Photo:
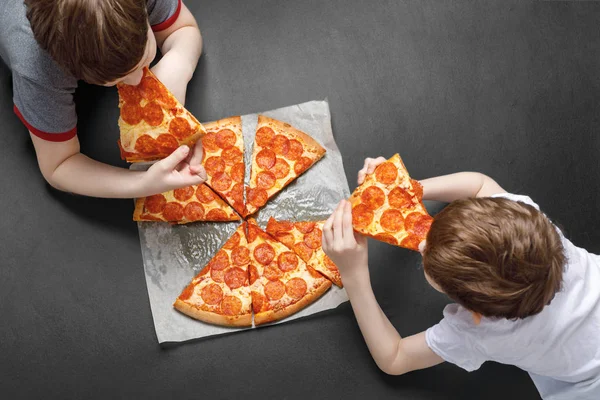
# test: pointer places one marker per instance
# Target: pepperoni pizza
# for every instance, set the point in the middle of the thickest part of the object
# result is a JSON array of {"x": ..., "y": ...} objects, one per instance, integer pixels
[
  {"x": 281, "y": 153},
  {"x": 388, "y": 206},
  {"x": 220, "y": 294},
  {"x": 305, "y": 239},
  {"x": 188, "y": 204},
  {"x": 152, "y": 122}
]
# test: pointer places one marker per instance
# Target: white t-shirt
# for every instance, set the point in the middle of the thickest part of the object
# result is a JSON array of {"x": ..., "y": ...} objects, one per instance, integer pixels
[{"x": 559, "y": 347}]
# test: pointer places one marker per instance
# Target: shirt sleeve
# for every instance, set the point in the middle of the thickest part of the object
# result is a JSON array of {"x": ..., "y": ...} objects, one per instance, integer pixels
[
  {"x": 163, "y": 13},
  {"x": 517, "y": 197},
  {"x": 453, "y": 340}
]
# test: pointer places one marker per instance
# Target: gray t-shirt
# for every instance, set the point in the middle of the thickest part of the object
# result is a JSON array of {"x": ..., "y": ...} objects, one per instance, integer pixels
[{"x": 43, "y": 91}]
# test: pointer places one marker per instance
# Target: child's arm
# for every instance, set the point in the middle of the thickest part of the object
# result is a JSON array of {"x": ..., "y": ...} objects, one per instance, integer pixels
[
  {"x": 446, "y": 188},
  {"x": 393, "y": 354}
]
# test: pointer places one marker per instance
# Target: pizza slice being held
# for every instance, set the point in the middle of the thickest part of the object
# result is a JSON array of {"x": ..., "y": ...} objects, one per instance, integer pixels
[
  {"x": 305, "y": 239},
  {"x": 224, "y": 160},
  {"x": 388, "y": 206},
  {"x": 152, "y": 122},
  {"x": 281, "y": 153},
  {"x": 188, "y": 204},
  {"x": 281, "y": 283},
  {"x": 220, "y": 294}
]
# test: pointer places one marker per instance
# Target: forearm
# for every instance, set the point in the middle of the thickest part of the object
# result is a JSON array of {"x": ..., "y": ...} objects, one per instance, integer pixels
[
  {"x": 448, "y": 188},
  {"x": 185, "y": 46}
]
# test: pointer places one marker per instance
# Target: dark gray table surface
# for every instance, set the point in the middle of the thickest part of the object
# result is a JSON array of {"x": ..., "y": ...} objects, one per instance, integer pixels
[{"x": 508, "y": 88}]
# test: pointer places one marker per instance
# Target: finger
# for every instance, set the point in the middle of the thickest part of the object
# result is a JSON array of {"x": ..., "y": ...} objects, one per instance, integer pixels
[
  {"x": 374, "y": 164},
  {"x": 347, "y": 224},
  {"x": 199, "y": 170},
  {"x": 328, "y": 232},
  {"x": 175, "y": 158},
  {"x": 422, "y": 246},
  {"x": 361, "y": 240},
  {"x": 363, "y": 172},
  {"x": 338, "y": 233},
  {"x": 197, "y": 154}
]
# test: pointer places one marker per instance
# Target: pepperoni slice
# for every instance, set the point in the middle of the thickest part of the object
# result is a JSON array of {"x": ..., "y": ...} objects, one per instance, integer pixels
[
  {"x": 221, "y": 182},
  {"x": 257, "y": 197},
  {"x": 209, "y": 142},
  {"x": 253, "y": 232},
  {"x": 266, "y": 158},
  {"x": 131, "y": 113},
  {"x": 386, "y": 237},
  {"x": 373, "y": 197},
  {"x": 220, "y": 261},
  {"x": 296, "y": 288},
  {"x": 145, "y": 144},
  {"x": 155, "y": 204},
  {"x": 231, "y": 305},
  {"x": 361, "y": 216},
  {"x": 302, "y": 165},
  {"x": 272, "y": 273},
  {"x": 421, "y": 226},
  {"x": 411, "y": 242},
  {"x": 281, "y": 145},
  {"x": 212, "y": 294},
  {"x": 194, "y": 211},
  {"x": 281, "y": 169},
  {"x": 235, "y": 277},
  {"x": 217, "y": 214},
  {"x": 296, "y": 150},
  {"x": 180, "y": 128},
  {"x": 226, "y": 138},
  {"x": 129, "y": 94},
  {"x": 237, "y": 174},
  {"x": 399, "y": 198},
  {"x": 386, "y": 173},
  {"x": 274, "y": 226},
  {"x": 418, "y": 189},
  {"x": 232, "y": 156},
  {"x": 253, "y": 273},
  {"x": 257, "y": 301},
  {"x": 329, "y": 263},
  {"x": 153, "y": 114},
  {"x": 233, "y": 241},
  {"x": 264, "y": 136},
  {"x": 286, "y": 238},
  {"x": 187, "y": 292},
  {"x": 305, "y": 227},
  {"x": 183, "y": 194},
  {"x": 217, "y": 275},
  {"x": 173, "y": 211},
  {"x": 167, "y": 143},
  {"x": 240, "y": 255},
  {"x": 313, "y": 238},
  {"x": 303, "y": 251},
  {"x": 237, "y": 193},
  {"x": 150, "y": 88},
  {"x": 204, "y": 194},
  {"x": 265, "y": 180},
  {"x": 214, "y": 165},
  {"x": 411, "y": 219},
  {"x": 287, "y": 261},
  {"x": 274, "y": 290},
  {"x": 264, "y": 253},
  {"x": 392, "y": 220}
]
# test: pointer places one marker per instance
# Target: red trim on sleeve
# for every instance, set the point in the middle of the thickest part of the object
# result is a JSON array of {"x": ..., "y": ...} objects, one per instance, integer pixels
[
  {"x": 51, "y": 137},
  {"x": 169, "y": 21}
]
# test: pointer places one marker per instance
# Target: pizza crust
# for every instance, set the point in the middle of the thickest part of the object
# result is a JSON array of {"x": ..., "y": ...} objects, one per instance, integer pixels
[{"x": 213, "y": 318}]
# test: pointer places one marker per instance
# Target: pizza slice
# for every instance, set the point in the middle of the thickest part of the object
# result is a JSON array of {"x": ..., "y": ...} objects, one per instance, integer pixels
[
  {"x": 152, "y": 122},
  {"x": 388, "y": 206},
  {"x": 304, "y": 238},
  {"x": 220, "y": 294},
  {"x": 188, "y": 204},
  {"x": 281, "y": 283},
  {"x": 281, "y": 153},
  {"x": 224, "y": 160}
]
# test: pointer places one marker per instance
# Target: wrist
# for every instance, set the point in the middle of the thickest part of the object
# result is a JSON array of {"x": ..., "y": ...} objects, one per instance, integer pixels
[{"x": 356, "y": 278}]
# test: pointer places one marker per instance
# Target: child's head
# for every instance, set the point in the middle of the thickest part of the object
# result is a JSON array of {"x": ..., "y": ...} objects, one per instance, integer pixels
[
  {"x": 495, "y": 257},
  {"x": 99, "y": 41}
]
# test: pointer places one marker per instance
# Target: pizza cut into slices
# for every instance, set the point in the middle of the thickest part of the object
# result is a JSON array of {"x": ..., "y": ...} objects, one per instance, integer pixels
[
  {"x": 152, "y": 122},
  {"x": 281, "y": 283},
  {"x": 388, "y": 206},
  {"x": 188, "y": 204},
  {"x": 304, "y": 238},
  {"x": 281, "y": 153},
  {"x": 223, "y": 160},
  {"x": 220, "y": 293}
]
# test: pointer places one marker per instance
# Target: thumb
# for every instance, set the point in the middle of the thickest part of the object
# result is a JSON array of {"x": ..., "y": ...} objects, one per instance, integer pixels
[{"x": 175, "y": 158}]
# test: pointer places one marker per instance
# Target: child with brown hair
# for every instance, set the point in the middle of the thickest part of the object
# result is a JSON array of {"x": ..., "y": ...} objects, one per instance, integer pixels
[
  {"x": 525, "y": 295},
  {"x": 51, "y": 44}
]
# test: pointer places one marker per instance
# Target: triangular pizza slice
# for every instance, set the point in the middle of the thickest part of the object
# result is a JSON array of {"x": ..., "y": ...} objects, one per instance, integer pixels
[
  {"x": 152, "y": 122},
  {"x": 188, "y": 204},
  {"x": 388, "y": 206},
  {"x": 220, "y": 293},
  {"x": 305, "y": 239},
  {"x": 281, "y": 153},
  {"x": 281, "y": 283}
]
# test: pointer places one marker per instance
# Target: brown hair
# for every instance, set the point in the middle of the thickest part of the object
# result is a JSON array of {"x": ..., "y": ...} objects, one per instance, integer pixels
[
  {"x": 98, "y": 41},
  {"x": 494, "y": 256}
]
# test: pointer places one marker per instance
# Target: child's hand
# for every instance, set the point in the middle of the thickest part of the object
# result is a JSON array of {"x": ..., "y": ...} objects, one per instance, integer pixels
[
  {"x": 369, "y": 168},
  {"x": 175, "y": 172},
  {"x": 347, "y": 249}
]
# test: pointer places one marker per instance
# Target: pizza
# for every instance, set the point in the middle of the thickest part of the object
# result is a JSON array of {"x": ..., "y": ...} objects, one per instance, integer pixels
[
  {"x": 188, "y": 204},
  {"x": 280, "y": 282},
  {"x": 281, "y": 153},
  {"x": 220, "y": 293},
  {"x": 388, "y": 206},
  {"x": 152, "y": 122},
  {"x": 304, "y": 238},
  {"x": 223, "y": 160}
]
